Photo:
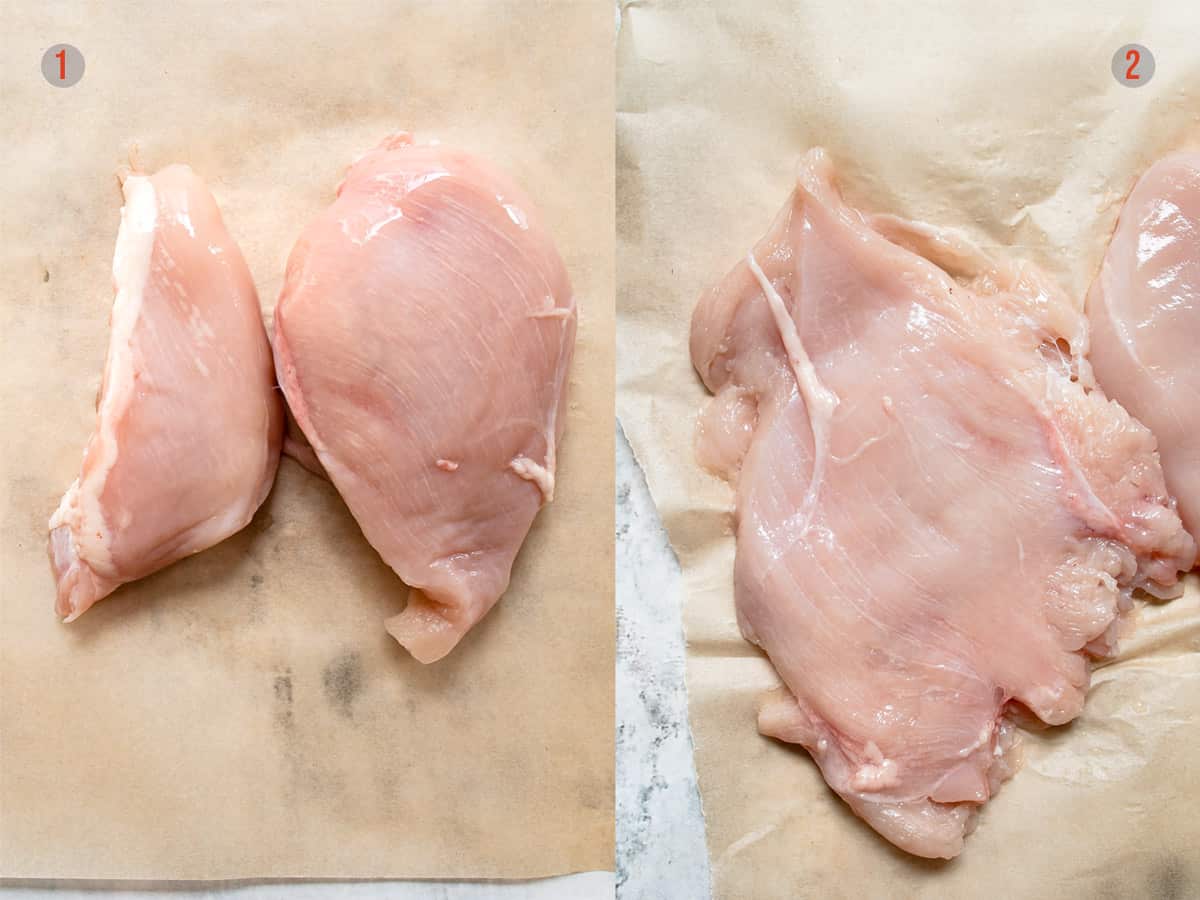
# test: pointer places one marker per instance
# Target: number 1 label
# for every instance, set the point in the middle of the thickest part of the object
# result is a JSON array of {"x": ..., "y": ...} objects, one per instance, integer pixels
[{"x": 62, "y": 65}]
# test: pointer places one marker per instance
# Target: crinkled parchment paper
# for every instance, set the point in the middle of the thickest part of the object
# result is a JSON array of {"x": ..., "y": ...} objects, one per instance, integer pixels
[
  {"x": 1004, "y": 120},
  {"x": 243, "y": 713}
]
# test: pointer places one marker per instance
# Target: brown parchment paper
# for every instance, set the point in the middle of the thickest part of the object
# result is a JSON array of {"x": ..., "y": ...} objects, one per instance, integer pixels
[
  {"x": 243, "y": 713},
  {"x": 1004, "y": 120}
]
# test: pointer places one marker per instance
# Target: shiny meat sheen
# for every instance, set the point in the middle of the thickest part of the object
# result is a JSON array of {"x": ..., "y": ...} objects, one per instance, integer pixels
[
  {"x": 1144, "y": 308},
  {"x": 937, "y": 514},
  {"x": 423, "y": 338},
  {"x": 188, "y": 419}
]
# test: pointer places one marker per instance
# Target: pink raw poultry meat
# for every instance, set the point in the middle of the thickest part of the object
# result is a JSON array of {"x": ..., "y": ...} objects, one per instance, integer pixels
[
  {"x": 423, "y": 338},
  {"x": 937, "y": 513},
  {"x": 1145, "y": 312},
  {"x": 189, "y": 422}
]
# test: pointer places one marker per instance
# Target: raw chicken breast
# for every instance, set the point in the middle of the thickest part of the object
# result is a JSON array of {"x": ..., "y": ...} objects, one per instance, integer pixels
[
  {"x": 188, "y": 419},
  {"x": 1144, "y": 308},
  {"x": 937, "y": 513},
  {"x": 423, "y": 338}
]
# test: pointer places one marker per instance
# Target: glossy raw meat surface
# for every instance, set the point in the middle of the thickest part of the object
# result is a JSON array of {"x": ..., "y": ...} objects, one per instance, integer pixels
[
  {"x": 1144, "y": 309},
  {"x": 936, "y": 514},
  {"x": 423, "y": 338},
  {"x": 188, "y": 418}
]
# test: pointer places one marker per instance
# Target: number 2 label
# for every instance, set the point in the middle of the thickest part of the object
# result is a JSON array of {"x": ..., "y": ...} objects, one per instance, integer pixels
[
  {"x": 1133, "y": 65},
  {"x": 1131, "y": 73}
]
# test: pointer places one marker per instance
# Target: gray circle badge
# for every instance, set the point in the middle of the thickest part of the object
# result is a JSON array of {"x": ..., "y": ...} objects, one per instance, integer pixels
[
  {"x": 62, "y": 65},
  {"x": 1133, "y": 65}
]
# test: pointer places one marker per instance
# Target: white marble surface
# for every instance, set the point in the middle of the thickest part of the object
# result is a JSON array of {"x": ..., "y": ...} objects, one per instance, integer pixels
[{"x": 661, "y": 851}]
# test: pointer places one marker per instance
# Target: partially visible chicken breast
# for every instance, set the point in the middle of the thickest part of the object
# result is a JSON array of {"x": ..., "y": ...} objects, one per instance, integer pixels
[{"x": 1144, "y": 308}]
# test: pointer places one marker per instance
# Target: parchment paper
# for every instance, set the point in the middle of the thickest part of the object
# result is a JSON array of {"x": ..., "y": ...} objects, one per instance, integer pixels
[
  {"x": 243, "y": 713},
  {"x": 1005, "y": 120}
]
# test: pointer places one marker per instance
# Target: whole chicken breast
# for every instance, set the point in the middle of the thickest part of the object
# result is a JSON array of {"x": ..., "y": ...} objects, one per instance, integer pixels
[{"x": 423, "y": 338}]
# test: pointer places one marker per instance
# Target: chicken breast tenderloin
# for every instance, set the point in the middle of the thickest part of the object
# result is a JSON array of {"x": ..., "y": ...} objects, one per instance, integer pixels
[
  {"x": 188, "y": 419},
  {"x": 1144, "y": 308},
  {"x": 938, "y": 514},
  {"x": 423, "y": 338}
]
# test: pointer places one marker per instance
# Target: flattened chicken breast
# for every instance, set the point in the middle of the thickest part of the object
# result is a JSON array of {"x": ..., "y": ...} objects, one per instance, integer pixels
[{"x": 938, "y": 514}]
